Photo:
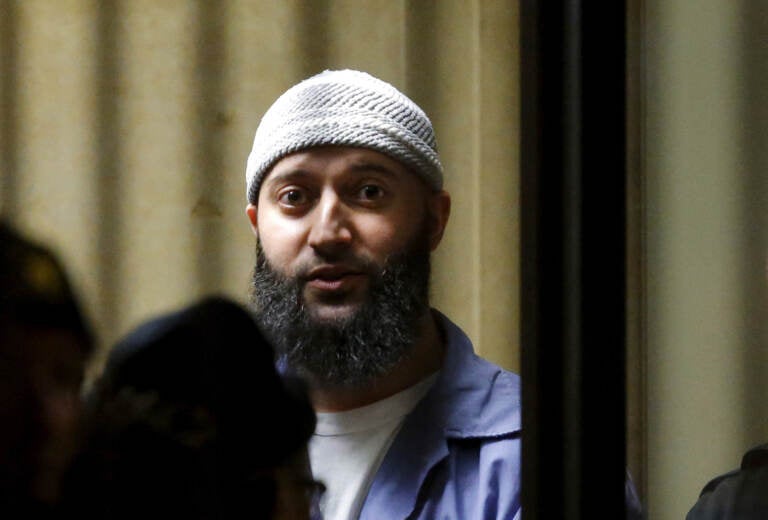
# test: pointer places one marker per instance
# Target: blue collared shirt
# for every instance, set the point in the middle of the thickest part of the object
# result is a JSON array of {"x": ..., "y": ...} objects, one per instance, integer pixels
[{"x": 457, "y": 455}]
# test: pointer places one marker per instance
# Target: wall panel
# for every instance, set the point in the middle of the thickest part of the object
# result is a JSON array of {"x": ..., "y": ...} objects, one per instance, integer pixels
[{"x": 706, "y": 218}]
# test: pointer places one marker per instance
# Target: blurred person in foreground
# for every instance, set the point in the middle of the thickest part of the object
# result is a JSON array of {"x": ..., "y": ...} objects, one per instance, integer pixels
[
  {"x": 741, "y": 494},
  {"x": 44, "y": 346},
  {"x": 190, "y": 419}
]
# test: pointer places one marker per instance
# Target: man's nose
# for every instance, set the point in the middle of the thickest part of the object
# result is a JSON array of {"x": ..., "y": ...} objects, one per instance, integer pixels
[{"x": 331, "y": 229}]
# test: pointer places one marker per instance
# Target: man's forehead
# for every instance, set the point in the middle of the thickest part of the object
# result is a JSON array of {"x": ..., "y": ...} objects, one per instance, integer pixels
[{"x": 317, "y": 160}]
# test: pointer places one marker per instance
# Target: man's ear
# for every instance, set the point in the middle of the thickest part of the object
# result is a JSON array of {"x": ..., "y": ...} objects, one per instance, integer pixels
[
  {"x": 252, "y": 212},
  {"x": 439, "y": 208}
]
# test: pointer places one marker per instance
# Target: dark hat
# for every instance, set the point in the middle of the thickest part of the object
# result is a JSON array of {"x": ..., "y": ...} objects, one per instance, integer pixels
[{"x": 212, "y": 355}]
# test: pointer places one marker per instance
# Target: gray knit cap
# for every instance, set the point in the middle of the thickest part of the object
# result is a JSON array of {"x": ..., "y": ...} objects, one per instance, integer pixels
[{"x": 344, "y": 108}]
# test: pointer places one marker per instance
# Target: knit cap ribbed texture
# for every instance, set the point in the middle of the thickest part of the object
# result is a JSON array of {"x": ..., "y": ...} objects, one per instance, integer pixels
[{"x": 344, "y": 108}]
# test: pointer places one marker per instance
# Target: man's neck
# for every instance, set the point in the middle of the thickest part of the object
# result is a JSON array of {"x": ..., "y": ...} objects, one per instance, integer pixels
[{"x": 426, "y": 357}]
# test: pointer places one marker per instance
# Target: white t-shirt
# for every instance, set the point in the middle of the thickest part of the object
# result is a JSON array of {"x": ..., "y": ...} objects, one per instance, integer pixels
[{"x": 348, "y": 447}]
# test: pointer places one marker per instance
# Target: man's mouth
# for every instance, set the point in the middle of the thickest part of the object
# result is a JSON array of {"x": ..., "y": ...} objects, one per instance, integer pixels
[{"x": 334, "y": 278}]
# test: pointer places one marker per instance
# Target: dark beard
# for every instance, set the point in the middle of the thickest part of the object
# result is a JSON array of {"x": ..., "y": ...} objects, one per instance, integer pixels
[{"x": 347, "y": 352}]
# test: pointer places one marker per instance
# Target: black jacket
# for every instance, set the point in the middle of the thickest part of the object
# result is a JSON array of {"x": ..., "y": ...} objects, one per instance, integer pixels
[{"x": 740, "y": 494}]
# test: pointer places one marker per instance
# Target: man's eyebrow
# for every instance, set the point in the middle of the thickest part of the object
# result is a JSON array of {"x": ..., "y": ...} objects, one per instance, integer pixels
[
  {"x": 286, "y": 175},
  {"x": 363, "y": 167},
  {"x": 293, "y": 174}
]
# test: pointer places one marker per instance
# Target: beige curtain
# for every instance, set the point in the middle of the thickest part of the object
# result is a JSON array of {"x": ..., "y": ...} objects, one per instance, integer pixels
[{"x": 125, "y": 125}]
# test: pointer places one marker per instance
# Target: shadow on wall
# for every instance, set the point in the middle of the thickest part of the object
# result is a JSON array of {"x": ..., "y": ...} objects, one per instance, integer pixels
[
  {"x": 8, "y": 115},
  {"x": 211, "y": 118},
  {"x": 754, "y": 117},
  {"x": 108, "y": 159}
]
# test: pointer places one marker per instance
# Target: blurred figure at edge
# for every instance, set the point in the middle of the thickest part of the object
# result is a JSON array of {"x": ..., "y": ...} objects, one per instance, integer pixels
[
  {"x": 191, "y": 419},
  {"x": 44, "y": 345}
]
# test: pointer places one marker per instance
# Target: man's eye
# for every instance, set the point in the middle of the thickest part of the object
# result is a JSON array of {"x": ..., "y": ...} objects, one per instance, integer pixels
[
  {"x": 371, "y": 192},
  {"x": 293, "y": 197}
]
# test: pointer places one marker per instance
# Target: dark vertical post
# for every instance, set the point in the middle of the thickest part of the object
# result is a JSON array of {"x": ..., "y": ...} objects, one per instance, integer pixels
[{"x": 573, "y": 258}]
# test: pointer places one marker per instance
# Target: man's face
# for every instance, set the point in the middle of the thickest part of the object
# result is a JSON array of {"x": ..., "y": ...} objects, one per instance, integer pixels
[
  {"x": 343, "y": 261},
  {"x": 40, "y": 375},
  {"x": 331, "y": 217}
]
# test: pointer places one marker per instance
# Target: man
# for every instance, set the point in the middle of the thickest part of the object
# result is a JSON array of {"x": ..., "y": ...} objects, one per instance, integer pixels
[
  {"x": 740, "y": 494},
  {"x": 346, "y": 199},
  {"x": 44, "y": 345}
]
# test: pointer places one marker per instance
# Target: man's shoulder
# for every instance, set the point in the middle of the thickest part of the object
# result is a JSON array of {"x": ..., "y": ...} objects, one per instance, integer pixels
[
  {"x": 458, "y": 451},
  {"x": 462, "y": 359},
  {"x": 741, "y": 493},
  {"x": 502, "y": 383},
  {"x": 479, "y": 398}
]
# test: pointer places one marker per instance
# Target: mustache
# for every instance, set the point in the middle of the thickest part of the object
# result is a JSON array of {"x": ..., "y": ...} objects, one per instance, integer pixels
[{"x": 348, "y": 261}]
